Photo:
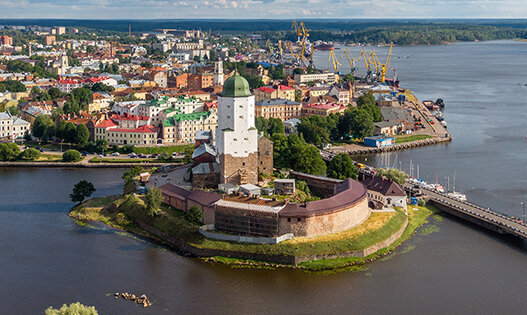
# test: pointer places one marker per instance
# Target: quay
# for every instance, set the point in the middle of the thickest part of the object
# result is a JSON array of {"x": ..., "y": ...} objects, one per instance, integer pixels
[{"x": 475, "y": 214}]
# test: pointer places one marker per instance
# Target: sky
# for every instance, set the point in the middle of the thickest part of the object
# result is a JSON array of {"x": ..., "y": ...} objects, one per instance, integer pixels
[{"x": 258, "y": 9}]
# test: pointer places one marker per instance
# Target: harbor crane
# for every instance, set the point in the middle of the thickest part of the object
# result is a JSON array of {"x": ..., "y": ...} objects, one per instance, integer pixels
[
  {"x": 350, "y": 58},
  {"x": 333, "y": 59},
  {"x": 386, "y": 64}
]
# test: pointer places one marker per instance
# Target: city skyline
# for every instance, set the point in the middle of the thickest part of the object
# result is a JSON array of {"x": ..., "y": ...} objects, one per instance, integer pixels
[{"x": 257, "y": 9}]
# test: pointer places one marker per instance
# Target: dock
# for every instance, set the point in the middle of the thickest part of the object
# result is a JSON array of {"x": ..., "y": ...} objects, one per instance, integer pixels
[{"x": 483, "y": 217}]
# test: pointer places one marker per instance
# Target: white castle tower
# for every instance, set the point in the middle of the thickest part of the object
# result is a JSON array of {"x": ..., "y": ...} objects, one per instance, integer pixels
[
  {"x": 218, "y": 73},
  {"x": 236, "y": 134}
]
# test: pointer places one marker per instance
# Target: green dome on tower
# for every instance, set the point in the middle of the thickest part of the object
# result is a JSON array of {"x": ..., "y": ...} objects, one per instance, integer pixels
[{"x": 236, "y": 86}]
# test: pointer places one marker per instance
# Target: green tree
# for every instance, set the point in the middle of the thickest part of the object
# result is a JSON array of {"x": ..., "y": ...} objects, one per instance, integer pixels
[
  {"x": 55, "y": 93},
  {"x": 82, "y": 96},
  {"x": 356, "y": 123},
  {"x": 40, "y": 126},
  {"x": 128, "y": 176},
  {"x": 188, "y": 155},
  {"x": 261, "y": 123},
  {"x": 341, "y": 167},
  {"x": 100, "y": 145},
  {"x": 73, "y": 308},
  {"x": 71, "y": 156},
  {"x": 306, "y": 158},
  {"x": 70, "y": 132},
  {"x": 281, "y": 152},
  {"x": 82, "y": 135},
  {"x": 9, "y": 151},
  {"x": 30, "y": 154},
  {"x": 101, "y": 87},
  {"x": 12, "y": 86},
  {"x": 146, "y": 64},
  {"x": 298, "y": 96},
  {"x": 195, "y": 215},
  {"x": 81, "y": 191},
  {"x": 275, "y": 126},
  {"x": 153, "y": 199},
  {"x": 394, "y": 174},
  {"x": 90, "y": 49}
]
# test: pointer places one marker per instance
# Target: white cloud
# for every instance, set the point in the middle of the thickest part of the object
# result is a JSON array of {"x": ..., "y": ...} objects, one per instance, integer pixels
[{"x": 243, "y": 9}]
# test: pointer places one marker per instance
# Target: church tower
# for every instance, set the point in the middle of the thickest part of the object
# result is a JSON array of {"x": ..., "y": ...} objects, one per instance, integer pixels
[
  {"x": 218, "y": 73},
  {"x": 236, "y": 134}
]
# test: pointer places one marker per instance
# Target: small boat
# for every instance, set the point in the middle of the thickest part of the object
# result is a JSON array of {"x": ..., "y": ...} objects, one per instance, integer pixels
[
  {"x": 325, "y": 47},
  {"x": 444, "y": 123},
  {"x": 457, "y": 195}
]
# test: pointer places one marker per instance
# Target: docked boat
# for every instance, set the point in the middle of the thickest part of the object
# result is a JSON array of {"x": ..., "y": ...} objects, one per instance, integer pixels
[
  {"x": 325, "y": 47},
  {"x": 457, "y": 195}
]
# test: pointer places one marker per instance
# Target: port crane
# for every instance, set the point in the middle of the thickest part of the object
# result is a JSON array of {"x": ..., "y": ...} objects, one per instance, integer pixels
[
  {"x": 270, "y": 46},
  {"x": 350, "y": 58},
  {"x": 333, "y": 59},
  {"x": 386, "y": 64}
]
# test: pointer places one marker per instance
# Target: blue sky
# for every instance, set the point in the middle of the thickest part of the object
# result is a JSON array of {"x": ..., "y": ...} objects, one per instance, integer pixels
[{"x": 246, "y": 9}]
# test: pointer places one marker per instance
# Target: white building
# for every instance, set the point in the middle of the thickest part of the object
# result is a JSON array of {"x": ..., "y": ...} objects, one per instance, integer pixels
[
  {"x": 236, "y": 134},
  {"x": 218, "y": 73},
  {"x": 12, "y": 127}
]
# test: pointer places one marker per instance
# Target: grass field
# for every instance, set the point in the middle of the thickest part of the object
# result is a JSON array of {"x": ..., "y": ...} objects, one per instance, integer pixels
[
  {"x": 163, "y": 149},
  {"x": 404, "y": 139},
  {"x": 108, "y": 160},
  {"x": 377, "y": 228}
]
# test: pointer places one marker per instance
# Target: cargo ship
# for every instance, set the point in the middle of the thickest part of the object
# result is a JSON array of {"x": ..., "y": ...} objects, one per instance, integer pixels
[{"x": 325, "y": 47}]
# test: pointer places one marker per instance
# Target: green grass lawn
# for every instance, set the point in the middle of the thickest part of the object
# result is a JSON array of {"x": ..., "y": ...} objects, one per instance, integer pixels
[
  {"x": 137, "y": 160},
  {"x": 403, "y": 139},
  {"x": 379, "y": 227},
  {"x": 163, "y": 149}
]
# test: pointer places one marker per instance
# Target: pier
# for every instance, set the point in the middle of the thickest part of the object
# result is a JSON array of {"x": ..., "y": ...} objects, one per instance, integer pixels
[{"x": 483, "y": 217}]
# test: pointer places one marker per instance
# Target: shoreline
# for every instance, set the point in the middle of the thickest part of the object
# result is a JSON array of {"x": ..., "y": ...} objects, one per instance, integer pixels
[
  {"x": 190, "y": 243},
  {"x": 83, "y": 165}
]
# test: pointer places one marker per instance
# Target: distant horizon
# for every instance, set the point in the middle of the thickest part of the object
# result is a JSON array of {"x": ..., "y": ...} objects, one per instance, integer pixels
[{"x": 258, "y": 9}]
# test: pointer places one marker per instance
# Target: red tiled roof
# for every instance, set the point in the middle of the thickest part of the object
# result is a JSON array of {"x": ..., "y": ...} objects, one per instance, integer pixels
[
  {"x": 322, "y": 105},
  {"x": 107, "y": 123},
  {"x": 266, "y": 89},
  {"x": 129, "y": 117},
  {"x": 284, "y": 87},
  {"x": 142, "y": 129},
  {"x": 68, "y": 82}
]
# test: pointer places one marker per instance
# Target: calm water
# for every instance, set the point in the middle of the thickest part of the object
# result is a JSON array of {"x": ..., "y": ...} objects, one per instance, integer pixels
[{"x": 46, "y": 259}]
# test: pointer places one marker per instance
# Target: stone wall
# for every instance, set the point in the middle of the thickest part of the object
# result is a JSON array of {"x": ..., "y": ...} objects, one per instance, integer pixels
[
  {"x": 239, "y": 170},
  {"x": 265, "y": 156},
  {"x": 320, "y": 186},
  {"x": 209, "y": 180},
  {"x": 336, "y": 221}
]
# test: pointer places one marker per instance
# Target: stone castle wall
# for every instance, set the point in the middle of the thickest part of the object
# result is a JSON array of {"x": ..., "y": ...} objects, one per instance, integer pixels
[
  {"x": 336, "y": 221},
  {"x": 265, "y": 156},
  {"x": 239, "y": 170}
]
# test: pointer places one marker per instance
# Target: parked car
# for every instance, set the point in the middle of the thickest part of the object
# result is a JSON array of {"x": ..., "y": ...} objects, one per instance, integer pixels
[{"x": 115, "y": 154}]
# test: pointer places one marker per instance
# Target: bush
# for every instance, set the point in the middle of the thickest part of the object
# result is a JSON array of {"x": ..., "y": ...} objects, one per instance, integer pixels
[
  {"x": 73, "y": 308},
  {"x": 421, "y": 203},
  {"x": 30, "y": 154},
  {"x": 195, "y": 215},
  {"x": 9, "y": 151},
  {"x": 71, "y": 156},
  {"x": 153, "y": 200}
]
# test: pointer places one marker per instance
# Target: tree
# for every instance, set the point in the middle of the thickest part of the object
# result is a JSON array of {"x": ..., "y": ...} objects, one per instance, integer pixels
[
  {"x": 54, "y": 93},
  {"x": 367, "y": 102},
  {"x": 261, "y": 123},
  {"x": 73, "y": 308},
  {"x": 275, "y": 126},
  {"x": 82, "y": 95},
  {"x": 90, "y": 49},
  {"x": 188, "y": 155},
  {"x": 195, "y": 215},
  {"x": 70, "y": 132},
  {"x": 298, "y": 96},
  {"x": 81, "y": 191},
  {"x": 83, "y": 134},
  {"x": 12, "y": 86},
  {"x": 71, "y": 156},
  {"x": 281, "y": 153},
  {"x": 128, "y": 176},
  {"x": 361, "y": 123},
  {"x": 146, "y": 64},
  {"x": 40, "y": 125},
  {"x": 9, "y": 151},
  {"x": 101, "y": 87},
  {"x": 153, "y": 200},
  {"x": 306, "y": 159},
  {"x": 30, "y": 154},
  {"x": 341, "y": 167},
  {"x": 100, "y": 145},
  {"x": 394, "y": 174}
]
